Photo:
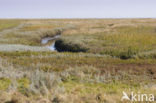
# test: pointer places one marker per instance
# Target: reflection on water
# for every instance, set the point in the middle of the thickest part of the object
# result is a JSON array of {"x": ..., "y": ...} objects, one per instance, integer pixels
[
  {"x": 52, "y": 47},
  {"x": 47, "y": 39}
]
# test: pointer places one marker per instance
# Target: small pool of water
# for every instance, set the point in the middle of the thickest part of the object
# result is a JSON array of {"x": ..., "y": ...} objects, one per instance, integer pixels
[
  {"x": 47, "y": 39},
  {"x": 52, "y": 47}
]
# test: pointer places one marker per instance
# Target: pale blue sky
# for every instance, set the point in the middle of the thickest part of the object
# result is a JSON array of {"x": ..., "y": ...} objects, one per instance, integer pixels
[{"x": 77, "y": 8}]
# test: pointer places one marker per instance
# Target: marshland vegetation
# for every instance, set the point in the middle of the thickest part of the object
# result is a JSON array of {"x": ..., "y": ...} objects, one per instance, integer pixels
[{"x": 96, "y": 60}]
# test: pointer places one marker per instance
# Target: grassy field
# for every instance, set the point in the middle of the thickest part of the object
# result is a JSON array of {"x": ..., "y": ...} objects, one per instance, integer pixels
[
  {"x": 98, "y": 59},
  {"x": 6, "y": 24}
]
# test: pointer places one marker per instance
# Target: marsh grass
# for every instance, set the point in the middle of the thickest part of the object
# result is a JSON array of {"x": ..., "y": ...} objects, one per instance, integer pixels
[
  {"x": 124, "y": 43},
  {"x": 120, "y": 57},
  {"x": 117, "y": 38},
  {"x": 82, "y": 82},
  {"x": 31, "y": 38},
  {"x": 6, "y": 24}
]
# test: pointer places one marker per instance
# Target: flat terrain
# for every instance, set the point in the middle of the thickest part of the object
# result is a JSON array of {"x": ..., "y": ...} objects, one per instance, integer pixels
[{"x": 96, "y": 60}]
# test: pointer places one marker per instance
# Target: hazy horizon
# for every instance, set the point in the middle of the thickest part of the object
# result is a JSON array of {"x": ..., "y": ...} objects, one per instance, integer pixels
[{"x": 61, "y": 9}]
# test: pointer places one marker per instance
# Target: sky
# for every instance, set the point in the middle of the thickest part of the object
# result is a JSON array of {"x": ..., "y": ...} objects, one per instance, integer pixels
[{"x": 77, "y": 8}]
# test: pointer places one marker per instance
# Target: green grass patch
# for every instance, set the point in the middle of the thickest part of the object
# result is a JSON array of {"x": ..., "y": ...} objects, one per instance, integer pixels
[
  {"x": 95, "y": 88},
  {"x": 23, "y": 85},
  {"x": 4, "y": 83}
]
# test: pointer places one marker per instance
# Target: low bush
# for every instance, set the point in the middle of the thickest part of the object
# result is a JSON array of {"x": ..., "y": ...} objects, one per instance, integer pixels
[{"x": 62, "y": 46}]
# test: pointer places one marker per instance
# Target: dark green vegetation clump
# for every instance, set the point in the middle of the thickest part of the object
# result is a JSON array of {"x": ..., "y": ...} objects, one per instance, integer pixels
[{"x": 63, "y": 46}]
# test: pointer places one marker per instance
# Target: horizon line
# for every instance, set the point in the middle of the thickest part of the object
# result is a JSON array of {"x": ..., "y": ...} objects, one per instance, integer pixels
[{"x": 86, "y": 18}]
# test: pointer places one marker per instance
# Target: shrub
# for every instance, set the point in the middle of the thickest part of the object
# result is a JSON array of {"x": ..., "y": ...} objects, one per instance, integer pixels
[{"x": 62, "y": 46}]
